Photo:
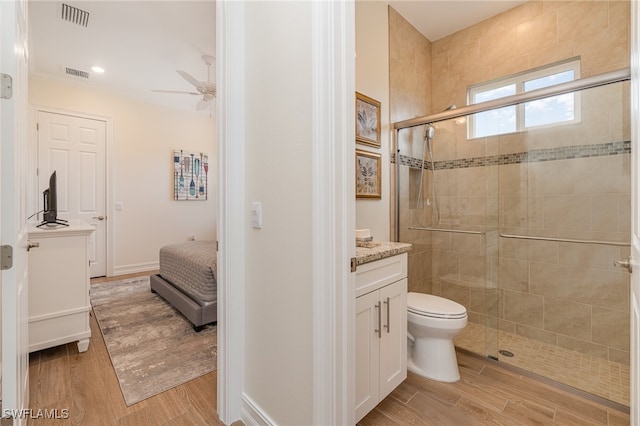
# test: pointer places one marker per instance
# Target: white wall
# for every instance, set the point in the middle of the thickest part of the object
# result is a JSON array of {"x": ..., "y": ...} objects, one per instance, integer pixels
[
  {"x": 372, "y": 79},
  {"x": 278, "y": 305},
  {"x": 142, "y": 169}
]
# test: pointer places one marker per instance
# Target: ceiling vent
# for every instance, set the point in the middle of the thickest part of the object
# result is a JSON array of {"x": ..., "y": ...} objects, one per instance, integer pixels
[
  {"x": 75, "y": 15},
  {"x": 76, "y": 73}
]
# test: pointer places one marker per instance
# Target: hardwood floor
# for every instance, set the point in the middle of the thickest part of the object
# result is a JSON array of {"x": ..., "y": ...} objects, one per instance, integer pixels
[
  {"x": 487, "y": 394},
  {"x": 86, "y": 385}
]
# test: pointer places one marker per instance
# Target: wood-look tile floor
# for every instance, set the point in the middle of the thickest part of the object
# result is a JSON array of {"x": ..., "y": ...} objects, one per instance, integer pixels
[
  {"x": 487, "y": 394},
  {"x": 86, "y": 385}
]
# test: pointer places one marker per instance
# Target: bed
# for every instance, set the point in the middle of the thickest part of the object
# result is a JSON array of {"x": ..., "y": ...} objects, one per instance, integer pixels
[{"x": 187, "y": 280}]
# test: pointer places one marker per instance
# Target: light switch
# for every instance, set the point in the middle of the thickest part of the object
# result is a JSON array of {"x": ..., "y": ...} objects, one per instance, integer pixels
[
  {"x": 256, "y": 215},
  {"x": 119, "y": 206}
]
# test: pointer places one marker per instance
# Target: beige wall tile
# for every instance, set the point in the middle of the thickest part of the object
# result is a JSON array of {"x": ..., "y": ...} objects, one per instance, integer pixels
[
  {"x": 473, "y": 269},
  {"x": 583, "y": 18},
  {"x": 544, "y": 251},
  {"x": 567, "y": 212},
  {"x": 598, "y": 287},
  {"x": 536, "y": 334},
  {"x": 497, "y": 47},
  {"x": 514, "y": 248},
  {"x": 537, "y": 33},
  {"x": 586, "y": 255},
  {"x": 456, "y": 291},
  {"x": 446, "y": 264},
  {"x": 483, "y": 301},
  {"x": 515, "y": 211},
  {"x": 604, "y": 213},
  {"x": 621, "y": 357},
  {"x": 523, "y": 308},
  {"x": 567, "y": 318},
  {"x": 611, "y": 328},
  {"x": 514, "y": 275},
  {"x": 508, "y": 326},
  {"x": 582, "y": 346}
]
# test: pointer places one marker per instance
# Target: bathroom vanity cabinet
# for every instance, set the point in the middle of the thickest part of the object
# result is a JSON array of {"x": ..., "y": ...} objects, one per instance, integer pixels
[{"x": 381, "y": 330}]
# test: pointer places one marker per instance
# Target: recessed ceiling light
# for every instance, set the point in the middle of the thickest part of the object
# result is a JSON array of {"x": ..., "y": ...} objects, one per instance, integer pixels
[{"x": 97, "y": 69}]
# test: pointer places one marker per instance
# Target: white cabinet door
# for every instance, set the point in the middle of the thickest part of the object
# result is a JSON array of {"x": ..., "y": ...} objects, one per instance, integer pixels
[
  {"x": 367, "y": 353},
  {"x": 393, "y": 344}
]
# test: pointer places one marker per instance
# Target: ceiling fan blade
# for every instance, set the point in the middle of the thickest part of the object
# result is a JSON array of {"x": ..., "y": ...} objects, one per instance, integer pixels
[
  {"x": 202, "y": 105},
  {"x": 198, "y": 85},
  {"x": 176, "y": 91}
]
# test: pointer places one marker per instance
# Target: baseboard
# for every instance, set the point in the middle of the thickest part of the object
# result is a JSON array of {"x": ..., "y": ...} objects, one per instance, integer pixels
[
  {"x": 252, "y": 415},
  {"x": 135, "y": 268}
]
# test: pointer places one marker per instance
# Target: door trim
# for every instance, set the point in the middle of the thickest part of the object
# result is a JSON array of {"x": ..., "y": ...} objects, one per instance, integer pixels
[
  {"x": 109, "y": 153},
  {"x": 230, "y": 227}
]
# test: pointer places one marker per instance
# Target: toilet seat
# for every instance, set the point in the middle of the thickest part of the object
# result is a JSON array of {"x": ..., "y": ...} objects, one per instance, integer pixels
[{"x": 429, "y": 305}]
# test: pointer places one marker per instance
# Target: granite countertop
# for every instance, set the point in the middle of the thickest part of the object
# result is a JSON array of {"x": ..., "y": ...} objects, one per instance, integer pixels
[{"x": 382, "y": 249}]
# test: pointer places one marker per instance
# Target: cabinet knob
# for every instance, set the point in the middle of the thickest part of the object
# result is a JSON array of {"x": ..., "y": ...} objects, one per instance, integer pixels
[{"x": 31, "y": 245}]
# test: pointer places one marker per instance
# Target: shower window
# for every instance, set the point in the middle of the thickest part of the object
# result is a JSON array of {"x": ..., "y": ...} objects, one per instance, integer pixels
[{"x": 561, "y": 109}]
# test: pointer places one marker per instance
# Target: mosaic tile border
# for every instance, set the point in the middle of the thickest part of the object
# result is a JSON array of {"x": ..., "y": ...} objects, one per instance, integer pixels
[{"x": 533, "y": 156}]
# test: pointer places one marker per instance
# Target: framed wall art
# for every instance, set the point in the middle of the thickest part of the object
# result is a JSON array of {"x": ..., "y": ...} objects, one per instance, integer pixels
[
  {"x": 191, "y": 175},
  {"x": 368, "y": 176},
  {"x": 367, "y": 120}
]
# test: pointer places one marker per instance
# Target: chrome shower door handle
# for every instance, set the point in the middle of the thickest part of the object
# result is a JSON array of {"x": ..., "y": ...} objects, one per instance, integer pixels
[{"x": 624, "y": 264}]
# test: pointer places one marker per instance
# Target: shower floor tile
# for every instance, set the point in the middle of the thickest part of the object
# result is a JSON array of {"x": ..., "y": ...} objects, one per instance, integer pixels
[{"x": 596, "y": 376}]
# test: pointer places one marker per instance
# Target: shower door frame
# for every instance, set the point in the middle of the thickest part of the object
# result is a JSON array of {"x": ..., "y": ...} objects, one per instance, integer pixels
[{"x": 618, "y": 76}]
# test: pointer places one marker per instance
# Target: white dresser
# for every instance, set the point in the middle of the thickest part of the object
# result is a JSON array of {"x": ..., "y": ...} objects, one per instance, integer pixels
[
  {"x": 59, "y": 303},
  {"x": 381, "y": 328}
]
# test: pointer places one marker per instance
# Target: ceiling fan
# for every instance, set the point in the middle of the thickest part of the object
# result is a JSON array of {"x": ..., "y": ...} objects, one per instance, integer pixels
[{"x": 206, "y": 89}]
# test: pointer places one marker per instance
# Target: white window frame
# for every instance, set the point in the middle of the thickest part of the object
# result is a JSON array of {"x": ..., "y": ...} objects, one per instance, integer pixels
[{"x": 519, "y": 80}]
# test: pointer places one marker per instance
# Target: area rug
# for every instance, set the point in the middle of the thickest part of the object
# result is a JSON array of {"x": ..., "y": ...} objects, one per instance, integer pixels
[{"x": 152, "y": 347}]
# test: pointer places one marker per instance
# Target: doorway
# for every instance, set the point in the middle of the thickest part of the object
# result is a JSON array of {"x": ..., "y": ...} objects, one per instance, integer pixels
[{"x": 75, "y": 147}]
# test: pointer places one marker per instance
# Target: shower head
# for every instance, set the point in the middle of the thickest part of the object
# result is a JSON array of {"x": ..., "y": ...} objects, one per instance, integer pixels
[{"x": 429, "y": 132}]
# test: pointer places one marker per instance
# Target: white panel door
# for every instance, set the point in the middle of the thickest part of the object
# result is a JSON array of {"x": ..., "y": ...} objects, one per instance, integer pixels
[
  {"x": 75, "y": 148},
  {"x": 13, "y": 210}
]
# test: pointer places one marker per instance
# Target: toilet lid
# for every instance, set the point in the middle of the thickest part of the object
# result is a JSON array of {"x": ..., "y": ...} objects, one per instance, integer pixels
[{"x": 434, "y": 306}]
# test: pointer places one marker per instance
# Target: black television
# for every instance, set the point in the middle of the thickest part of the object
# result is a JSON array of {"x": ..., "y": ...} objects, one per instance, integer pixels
[{"x": 50, "y": 204}]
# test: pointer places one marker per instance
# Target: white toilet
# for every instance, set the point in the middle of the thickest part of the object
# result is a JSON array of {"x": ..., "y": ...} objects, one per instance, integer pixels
[{"x": 433, "y": 322}]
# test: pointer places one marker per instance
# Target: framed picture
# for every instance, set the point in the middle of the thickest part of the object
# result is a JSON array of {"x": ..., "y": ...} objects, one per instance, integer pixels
[
  {"x": 368, "y": 177},
  {"x": 190, "y": 175},
  {"x": 367, "y": 120}
]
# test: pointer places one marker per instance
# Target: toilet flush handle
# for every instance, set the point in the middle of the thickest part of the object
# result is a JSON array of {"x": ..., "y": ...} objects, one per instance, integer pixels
[{"x": 387, "y": 326}]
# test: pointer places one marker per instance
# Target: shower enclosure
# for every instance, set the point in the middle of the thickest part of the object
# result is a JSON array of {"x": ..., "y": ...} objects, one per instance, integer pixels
[{"x": 523, "y": 229}]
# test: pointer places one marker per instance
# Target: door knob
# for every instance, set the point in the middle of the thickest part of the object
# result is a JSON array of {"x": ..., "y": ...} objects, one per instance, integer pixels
[
  {"x": 31, "y": 245},
  {"x": 99, "y": 217},
  {"x": 624, "y": 264}
]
